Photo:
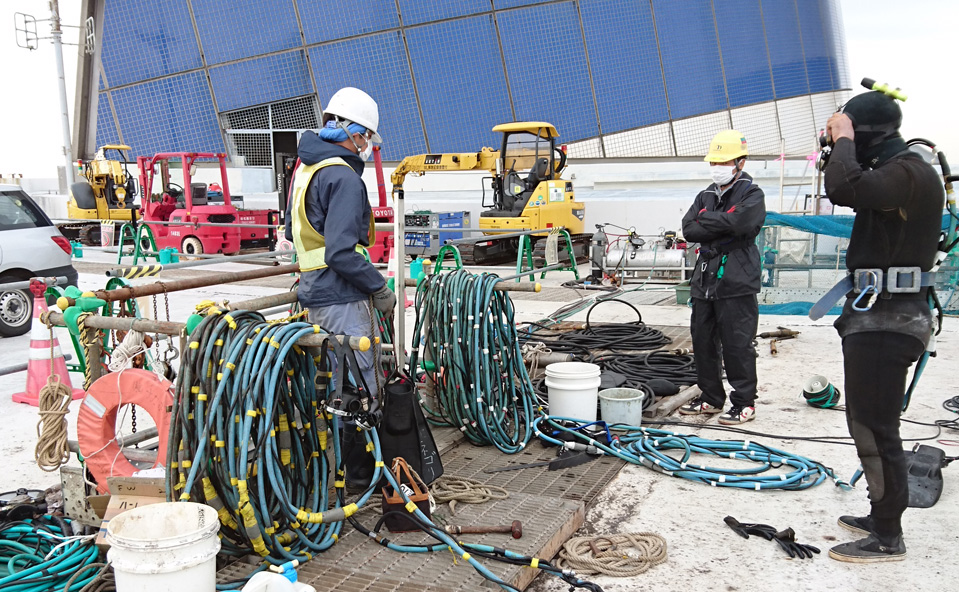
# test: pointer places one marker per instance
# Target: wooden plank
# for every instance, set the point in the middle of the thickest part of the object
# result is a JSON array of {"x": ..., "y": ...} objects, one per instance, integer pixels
[
  {"x": 575, "y": 521},
  {"x": 667, "y": 405}
]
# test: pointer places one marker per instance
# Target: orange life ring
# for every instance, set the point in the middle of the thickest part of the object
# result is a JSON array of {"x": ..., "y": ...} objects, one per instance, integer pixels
[{"x": 96, "y": 422}]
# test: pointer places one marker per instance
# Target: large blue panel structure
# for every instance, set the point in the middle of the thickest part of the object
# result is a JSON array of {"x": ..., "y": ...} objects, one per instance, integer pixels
[
  {"x": 244, "y": 28},
  {"x": 378, "y": 65},
  {"x": 325, "y": 20},
  {"x": 785, "y": 49},
  {"x": 741, "y": 39},
  {"x": 450, "y": 80},
  {"x": 168, "y": 115},
  {"x": 262, "y": 80},
  {"x": 624, "y": 60},
  {"x": 814, "y": 46},
  {"x": 417, "y": 12},
  {"x": 144, "y": 39},
  {"x": 690, "y": 53},
  {"x": 444, "y": 73},
  {"x": 546, "y": 65}
]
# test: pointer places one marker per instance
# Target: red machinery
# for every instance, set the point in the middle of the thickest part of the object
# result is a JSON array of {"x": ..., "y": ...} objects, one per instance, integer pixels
[{"x": 193, "y": 207}]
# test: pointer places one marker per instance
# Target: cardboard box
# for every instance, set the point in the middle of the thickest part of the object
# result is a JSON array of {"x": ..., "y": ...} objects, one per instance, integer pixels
[{"x": 127, "y": 493}]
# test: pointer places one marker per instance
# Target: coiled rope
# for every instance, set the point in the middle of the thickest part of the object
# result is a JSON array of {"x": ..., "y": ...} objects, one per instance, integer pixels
[
  {"x": 619, "y": 555},
  {"x": 53, "y": 406},
  {"x": 649, "y": 447},
  {"x": 464, "y": 490},
  {"x": 482, "y": 387}
]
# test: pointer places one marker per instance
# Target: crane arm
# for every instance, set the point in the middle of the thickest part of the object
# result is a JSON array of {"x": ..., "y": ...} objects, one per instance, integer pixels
[{"x": 485, "y": 159}]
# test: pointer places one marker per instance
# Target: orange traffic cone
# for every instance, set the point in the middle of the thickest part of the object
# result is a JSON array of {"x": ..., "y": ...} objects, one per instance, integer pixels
[
  {"x": 391, "y": 273},
  {"x": 41, "y": 366}
]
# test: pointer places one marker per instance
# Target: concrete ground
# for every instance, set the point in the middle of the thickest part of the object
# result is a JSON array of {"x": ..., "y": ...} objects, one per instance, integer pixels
[{"x": 703, "y": 553}]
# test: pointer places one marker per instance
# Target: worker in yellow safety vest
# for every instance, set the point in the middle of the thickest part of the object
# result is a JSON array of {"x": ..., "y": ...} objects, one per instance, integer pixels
[{"x": 330, "y": 222}]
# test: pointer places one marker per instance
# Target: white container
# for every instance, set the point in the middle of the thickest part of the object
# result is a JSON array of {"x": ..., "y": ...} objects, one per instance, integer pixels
[
  {"x": 622, "y": 405},
  {"x": 573, "y": 390},
  {"x": 266, "y": 581},
  {"x": 168, "y": 547}
]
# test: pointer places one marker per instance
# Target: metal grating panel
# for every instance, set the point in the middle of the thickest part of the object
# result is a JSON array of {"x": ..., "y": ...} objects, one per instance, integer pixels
[
  {"x": 297, "y": 114},
  {"x": 653, "y": 140},
  {"x": 250, "y": 148},
  {"x": 356, "y": 564},
  {"x": 252, "y": 118},
  {"x": 583, "y": 483}
]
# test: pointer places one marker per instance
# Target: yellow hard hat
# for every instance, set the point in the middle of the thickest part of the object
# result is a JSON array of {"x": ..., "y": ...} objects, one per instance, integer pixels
[{"x": 727, "y": 145}]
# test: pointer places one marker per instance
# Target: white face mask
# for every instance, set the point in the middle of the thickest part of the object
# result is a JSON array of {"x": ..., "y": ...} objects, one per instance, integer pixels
[
  {"x": 367, "y": 151},
  {"x": 722, "y": 174}
]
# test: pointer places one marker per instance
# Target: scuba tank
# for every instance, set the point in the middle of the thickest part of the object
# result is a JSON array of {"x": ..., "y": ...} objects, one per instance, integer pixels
[{"x": 597, "y": 253}]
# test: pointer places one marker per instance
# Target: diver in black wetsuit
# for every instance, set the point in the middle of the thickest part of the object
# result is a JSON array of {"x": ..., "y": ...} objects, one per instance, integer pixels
[{"x": 898, "y": 199}]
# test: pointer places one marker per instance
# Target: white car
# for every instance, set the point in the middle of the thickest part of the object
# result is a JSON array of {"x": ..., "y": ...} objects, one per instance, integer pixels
[{"x": 30, "y": 246}]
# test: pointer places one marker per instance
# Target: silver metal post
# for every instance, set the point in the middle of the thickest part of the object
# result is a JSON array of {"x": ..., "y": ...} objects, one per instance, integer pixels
[
  {"x": 61, "y": 79},
  {"x": 399, "y": 242}
]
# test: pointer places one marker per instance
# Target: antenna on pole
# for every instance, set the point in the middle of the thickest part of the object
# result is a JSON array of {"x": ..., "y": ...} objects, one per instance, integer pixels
[{"x": 27, "y": 38}]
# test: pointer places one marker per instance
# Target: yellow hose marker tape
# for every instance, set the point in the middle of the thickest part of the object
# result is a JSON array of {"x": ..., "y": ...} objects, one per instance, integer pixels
[
  {"x": 269, "y": 530},
  {"x": 339, "y": 484},
  {"x": 230, "y": 321},
  {"x": 322, "y": 437},
  {"x": 286, "y": 538},
  {"x": 316, "y": 328},
  {"x": 241, "y": 489},
  {"x": 249, "y": 342},
  {"x": 214, "y": 501},
  {"x": 220, "y": 443},
  {"x": 190, "y": 416},
  {"x": 218, "y": 342},
  {"x": 336, "y": 539},
  {"x": 350, "y": 509},
  {"x": 369, "y": 447},
  {"x": 298, "y": 349},
  {"x": 231, "y": 365},
  {"x": 236, "y": 419},
  {"x": 251, "y": 412},
  {"x": 219, "y": 376},
  {"x": 273, "y": 433},
  {"x": 466, "y": 556},
  {"x": 265, "y": 339},
  {"x": 284, "y": 425},
  {"x": 534, "y": 563},
  {"x": 186, "y": 464},
  {"x": 201, "y": 397},
  {"x": 290, "y": 372},
  {"x": 379, "y": 463},
  {"x": 252, "y": 530},
  {"x": 410, "y": 507},
  {"x": 318, "y": 359},
  {"x": 295, "y": 525},
  {"x": 234, "y": 481},
  {"x": 184, "y": 497},
  {"x": 275, "y": 343},
  {"x": 195, "y": 389},
  {"x": 194, "y": 345}
]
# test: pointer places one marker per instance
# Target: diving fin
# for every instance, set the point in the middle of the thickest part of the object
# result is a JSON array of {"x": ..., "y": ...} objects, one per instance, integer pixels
[{"x": 924, "y": 466}]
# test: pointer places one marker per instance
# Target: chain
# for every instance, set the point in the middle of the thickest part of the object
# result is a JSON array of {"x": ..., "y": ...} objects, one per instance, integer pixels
[{"x": 133, "y": 420}]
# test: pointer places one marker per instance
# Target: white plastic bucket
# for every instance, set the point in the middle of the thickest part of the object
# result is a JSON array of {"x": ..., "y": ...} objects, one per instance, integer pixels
[
  {"x": 622, "y": 405},
  {"x": 167, "y": 547},
  {"x": 573, "y": 389}
]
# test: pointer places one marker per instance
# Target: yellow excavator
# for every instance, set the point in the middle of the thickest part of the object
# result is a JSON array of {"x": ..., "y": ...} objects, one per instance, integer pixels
[
  {"x": 107, "y": 193},
  {"x": 527, "y": 190}
]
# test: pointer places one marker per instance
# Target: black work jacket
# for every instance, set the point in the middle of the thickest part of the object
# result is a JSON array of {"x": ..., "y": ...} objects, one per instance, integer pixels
[
  {"x": 726, "y": 225},
  {"x": 899, "y": 209}
]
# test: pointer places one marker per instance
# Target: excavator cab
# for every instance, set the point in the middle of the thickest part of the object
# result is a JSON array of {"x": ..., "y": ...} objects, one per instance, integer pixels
[{"x": 528, "y": 157}]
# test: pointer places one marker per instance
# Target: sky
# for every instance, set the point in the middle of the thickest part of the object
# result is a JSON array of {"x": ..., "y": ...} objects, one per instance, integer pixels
[{"x": 905, "y": 44}]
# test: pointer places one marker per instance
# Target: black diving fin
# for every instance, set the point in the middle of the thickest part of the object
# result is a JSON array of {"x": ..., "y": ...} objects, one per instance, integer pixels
[{"x": 924, "y": 465}]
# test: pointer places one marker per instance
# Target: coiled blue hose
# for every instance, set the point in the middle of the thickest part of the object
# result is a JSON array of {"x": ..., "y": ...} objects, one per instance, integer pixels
[
  {"x": 38, "y": 556},
  {"x": 649, "y": 447}
]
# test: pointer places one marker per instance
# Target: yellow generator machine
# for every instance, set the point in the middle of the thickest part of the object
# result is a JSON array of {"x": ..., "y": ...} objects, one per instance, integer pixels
[
  {"x": 527, "y": 190},
  {"x": 106, "y": 194}
]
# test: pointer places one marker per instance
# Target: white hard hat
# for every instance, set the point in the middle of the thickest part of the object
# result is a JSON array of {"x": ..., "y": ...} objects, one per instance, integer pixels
[{"x": 356, "y": 106}]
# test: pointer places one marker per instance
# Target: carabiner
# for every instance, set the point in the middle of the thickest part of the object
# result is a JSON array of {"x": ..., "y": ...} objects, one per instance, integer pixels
[{"x": 865, "y": 292}]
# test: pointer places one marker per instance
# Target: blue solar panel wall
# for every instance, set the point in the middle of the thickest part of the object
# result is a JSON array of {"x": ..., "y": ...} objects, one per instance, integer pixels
[{"x": 444, "y": 73}]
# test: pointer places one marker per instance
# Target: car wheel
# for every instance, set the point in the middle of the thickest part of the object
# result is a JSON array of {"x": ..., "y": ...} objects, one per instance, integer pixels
[
  {"x": 191, "y": 245},
  {"x": 16, "y": 312}
]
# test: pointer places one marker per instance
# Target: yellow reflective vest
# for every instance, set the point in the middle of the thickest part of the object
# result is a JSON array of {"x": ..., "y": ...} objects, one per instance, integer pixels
[{"x": 309, "y": 243}]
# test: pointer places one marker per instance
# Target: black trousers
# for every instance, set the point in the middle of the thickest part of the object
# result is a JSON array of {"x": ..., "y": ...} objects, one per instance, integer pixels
[
  {"x": 723, "y": 332},
  {"x": 876, "y": 365}
]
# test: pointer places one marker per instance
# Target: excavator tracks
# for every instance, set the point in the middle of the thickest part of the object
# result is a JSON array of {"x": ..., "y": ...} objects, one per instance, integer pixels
[{"x": 498, "y": 252}]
